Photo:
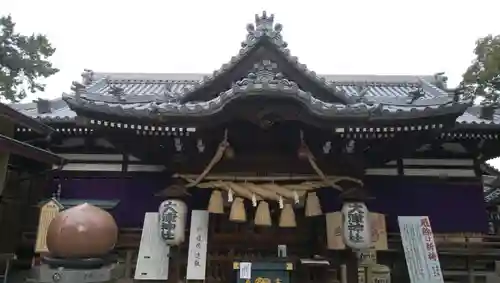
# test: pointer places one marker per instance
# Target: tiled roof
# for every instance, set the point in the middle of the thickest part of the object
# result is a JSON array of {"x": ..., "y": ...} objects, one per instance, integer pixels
[
  {"x": 17, "y": 117},
  {"x": 145, "y": 87},
  {"x": 60, "y": 111},
  {"x": 140, "y": 97},
  {"x": 150, "y": 95},
  {"x": 264, "y": 66},
  {"x": 471, "y": 118},
  {"x": 176, "y": 84},
  {"x": 141, "y": 88}
]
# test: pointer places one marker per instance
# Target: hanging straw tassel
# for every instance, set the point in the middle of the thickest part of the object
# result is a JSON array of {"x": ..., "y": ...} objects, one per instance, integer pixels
[
  {"x": 287, "y": 217},
  {"x": 313, "y": 207},
  {"x": 238, "y": 213},
  {"x": 224, "y": 144},
  {"x": 216, "y": 203},
  {"x": 263, "y": 214}
]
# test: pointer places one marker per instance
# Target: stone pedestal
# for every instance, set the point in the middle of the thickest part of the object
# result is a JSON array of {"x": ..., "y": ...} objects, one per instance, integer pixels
[{"x": 91, "y": 270}]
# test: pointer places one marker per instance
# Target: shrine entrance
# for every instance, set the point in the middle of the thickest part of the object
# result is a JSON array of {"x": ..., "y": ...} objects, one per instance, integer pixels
[{"x": 276, "y": 157}]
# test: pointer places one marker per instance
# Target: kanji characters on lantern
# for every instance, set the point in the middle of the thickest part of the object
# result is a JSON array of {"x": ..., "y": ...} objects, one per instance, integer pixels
[
  {"x": 172, "y": 221},
  {"x": 356, "y": 225}
]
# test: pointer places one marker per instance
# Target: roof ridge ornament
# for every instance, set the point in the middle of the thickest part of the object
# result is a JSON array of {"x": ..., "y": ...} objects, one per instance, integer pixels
[
  {"x": 415, "y": 94},
  {"x": 441, "y": 81},
  {"x": 265, "y": 72},
  {"x": 361, "y": 92},
  {"x": 462, "y": 93},
  {"x": 117, "y": 92},
  {"x": 264, "y": 28},
  {"x": 87, "y": 77},
  {"x": 78, "y": 88}
]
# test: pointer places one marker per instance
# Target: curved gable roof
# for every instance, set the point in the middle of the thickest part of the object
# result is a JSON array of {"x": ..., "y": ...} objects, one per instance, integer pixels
[{"x": 173, "y": 95}]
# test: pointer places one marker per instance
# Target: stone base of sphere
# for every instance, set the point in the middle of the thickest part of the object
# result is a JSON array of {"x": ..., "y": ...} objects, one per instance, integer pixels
[{"x": 79, "y": 263}]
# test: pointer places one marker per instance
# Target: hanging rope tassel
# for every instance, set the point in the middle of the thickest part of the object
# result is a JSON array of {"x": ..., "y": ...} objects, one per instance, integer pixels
[
  {"x": 313, "y": 206},
  {"x": 287, "y": 217},
  {"x": 224, "y": 144},
  {"x": 216, "y": 202},
  {"x": 312, "y": 162},
  {"x": 263, "y": 214},
  {"x": 238, "y": 212}
]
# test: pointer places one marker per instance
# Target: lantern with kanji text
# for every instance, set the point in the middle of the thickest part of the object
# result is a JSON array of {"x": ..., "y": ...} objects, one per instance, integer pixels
[
  {"x": 172, "y": 221},
  {"x": 356, "y": 225}
]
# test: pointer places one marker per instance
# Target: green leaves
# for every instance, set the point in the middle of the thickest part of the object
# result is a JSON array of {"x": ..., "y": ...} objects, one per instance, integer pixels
[
  {"x": 23, "y": 61},
  {"x": 484, "y": 73}
]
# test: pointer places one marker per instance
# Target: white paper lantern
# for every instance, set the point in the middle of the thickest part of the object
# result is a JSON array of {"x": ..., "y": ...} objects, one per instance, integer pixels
[
  {"x": 173, "y": 221},
  {"x": 356, "y": 228}
]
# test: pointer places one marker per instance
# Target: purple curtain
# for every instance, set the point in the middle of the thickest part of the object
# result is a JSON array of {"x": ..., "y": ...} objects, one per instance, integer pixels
[
  {"x": 136, "y": 196},
  {"x": 451, "y": 208}
]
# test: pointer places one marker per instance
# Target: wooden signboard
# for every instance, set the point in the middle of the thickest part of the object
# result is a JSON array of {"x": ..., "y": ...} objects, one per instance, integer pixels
[
  {"x": 153, "y": 257},
  {"x": 420, "y": 249},
  {"x": 379, "y": 231},
  {"x": 47, "y": 212},
  {"x": 198, "y": 241},
  {"x": 334, "y": 231}
]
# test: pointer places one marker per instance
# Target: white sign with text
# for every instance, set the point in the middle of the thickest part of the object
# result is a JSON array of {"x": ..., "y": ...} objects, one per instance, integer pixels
[
  {"x": 198, "y": 236},
  {"x": 420, "y": 249},
  {"x": 245, "y": 270}
]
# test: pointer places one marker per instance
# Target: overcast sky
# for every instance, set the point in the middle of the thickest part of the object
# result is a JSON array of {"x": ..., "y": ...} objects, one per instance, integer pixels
[{"x": 330, "y": 37}]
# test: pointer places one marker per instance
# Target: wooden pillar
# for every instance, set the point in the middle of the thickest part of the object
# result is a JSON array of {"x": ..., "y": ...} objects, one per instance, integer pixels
[
  {"x": 128, "y": 263},
  {"x": 352, "y": 266},
  {"x": 174, "y": 275},
  {"x": 470, "y": 271},
  {"x": 6, "y": 129}
]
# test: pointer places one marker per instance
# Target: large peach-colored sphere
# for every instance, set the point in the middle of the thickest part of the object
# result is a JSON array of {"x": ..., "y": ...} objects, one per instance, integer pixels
[{"x": 82, "y": 231}]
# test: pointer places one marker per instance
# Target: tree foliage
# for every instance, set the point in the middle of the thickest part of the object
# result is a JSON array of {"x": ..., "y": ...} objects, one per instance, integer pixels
[
  {"x": 23, "y": 61},
  {"x": 484, "y": 73}
]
